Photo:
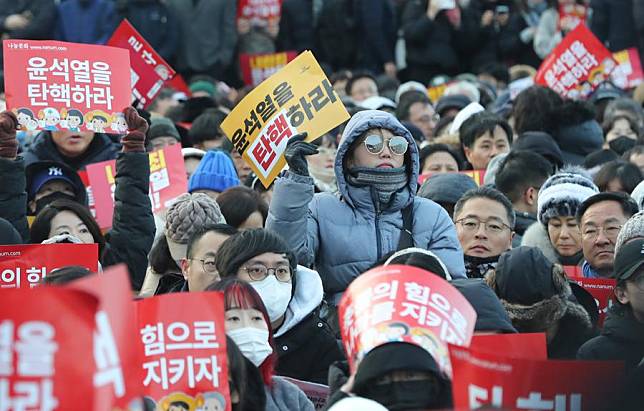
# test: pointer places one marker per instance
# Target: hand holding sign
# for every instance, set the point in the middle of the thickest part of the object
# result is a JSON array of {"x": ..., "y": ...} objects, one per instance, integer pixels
[
  {"x": 134, "y": 141},
  {"x": 296, "y": 151}
]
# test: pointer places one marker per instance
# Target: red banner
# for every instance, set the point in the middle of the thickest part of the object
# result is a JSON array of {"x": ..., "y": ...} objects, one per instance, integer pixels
[
  {"x": 148, "y": 69},
  {"x": 570, "y": 15},
  {"x": 256, "y": 68},
  {"x": 167, "y": 182},
  {"x": 577, "y": 65},
  {"x": 477, "y": 175},
  {"x": 529, "y": 346},
  {"x": 482, "y": 379},
  {"x": 24, "y": 266},
  {"x": 407, "y": 304},
  {"x": 602, "y": 290},
  {"x": 45, "y": 349},
  {"x": 259, "y": 9},
  {"x": 52, "y": 85},
  {"x": 628, "y": 73},
  {"x": 184, "y": 350},
  {"x": 117, "y": 377}
]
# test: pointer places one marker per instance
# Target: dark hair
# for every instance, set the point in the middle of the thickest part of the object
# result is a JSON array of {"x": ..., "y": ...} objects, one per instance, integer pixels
[
  {"x": 160, "y": 258},
  {"x": 357, "y": 76},
  {"x": 532, "y": 110},
  {"x": 407, "y": 100},
  {"x": 624, "y": 104},
  {"x": 238, "y": 203},
  {"x": 422, "y": 260},
  {"x": 246, "y": 379},
  {"x": 207, "y": 126},
  {"x": 628, "y": 174},
  {"x": 340, "y": 76},
  {"x": 66, "y": 275},
  {"x": 430, "y": 149},
  {"x": 480, "y": 124},
  {"x": 490, "y": 194},
  {"x": 599, "y": 157},
  {"x": 99, "y": 117},
  {"x": 628, "y": 205},
  {"x": 41, "y": 226},
  {"x": 27, "y": 112},
  {"x": 520, "y": 170},
  {"x": 223, "y": 229},
  {"x": 442, "y": 123},
  {"x": 637, "y": 150},
  {"x": 497, "y": 70},
  {"x": 609, "y": 122},
  {"x": 76, "y": 113}
]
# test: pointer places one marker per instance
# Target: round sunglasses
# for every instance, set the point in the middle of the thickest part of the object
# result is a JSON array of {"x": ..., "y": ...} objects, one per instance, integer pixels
[{"x": 375, "y": 144}]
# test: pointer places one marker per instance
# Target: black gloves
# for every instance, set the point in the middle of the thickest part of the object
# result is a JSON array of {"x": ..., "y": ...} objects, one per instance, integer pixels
[{"x": 296, "y": 151}]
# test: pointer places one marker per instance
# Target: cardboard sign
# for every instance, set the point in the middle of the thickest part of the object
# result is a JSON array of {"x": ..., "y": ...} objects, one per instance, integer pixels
[
  {"x": 167, "y": 182},
  {"x": 296, "y": 99},
  {"x": 45, "y": 348},
  {"x": 571, "y": 15},
  {"x": 628, "y": 73},
  {"x": 482, "y": 379},
  {"x": 317, "y": 393},
  {"x": 117, "y": 377},
  {"x": 602, "y": 290},
  {"x": 149, "y": 71},
  {"x": 577, "y": 65},
  {"x": 24, "y": 266},
  {"x": 530, "y": 346},
  {"x": 477, "y": 175},
  {"x": 400, "y": 303},
  {"x": 259, "y": 9},
  {"x": 184, "y": 350},
  {"x": 256, "y": 68},
  {"x": 52, "y": 85}
]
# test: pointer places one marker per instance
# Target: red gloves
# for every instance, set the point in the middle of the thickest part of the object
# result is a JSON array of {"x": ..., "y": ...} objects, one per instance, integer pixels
[
  {"x": 134, "y": 141},
  {"x": 8, "y": 141}
]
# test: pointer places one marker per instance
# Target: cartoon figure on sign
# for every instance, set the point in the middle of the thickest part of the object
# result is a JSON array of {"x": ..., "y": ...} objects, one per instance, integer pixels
[
  {"x": 49, "y": 119},
  {"x": 119, "y": 125},
  {"x": 73, "y": 119},
  {"x": 382, "y": 334},
  {"x": 97, "y": 121},
  {"x": 427, "y": 340},
  {"x": 26, "y": 119},
  {"x": 211, "y": 401},
  {"x": 177, "y": 401}
]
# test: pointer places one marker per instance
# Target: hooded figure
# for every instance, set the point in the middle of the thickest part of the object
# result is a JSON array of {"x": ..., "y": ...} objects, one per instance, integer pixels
[
  {"x": 490, "y": 313},
  {"x": 345, "y": 234}
]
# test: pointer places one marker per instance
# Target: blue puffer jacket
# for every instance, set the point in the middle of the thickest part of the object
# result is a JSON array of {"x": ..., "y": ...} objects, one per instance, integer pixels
[{"x": 342, "y": 236}]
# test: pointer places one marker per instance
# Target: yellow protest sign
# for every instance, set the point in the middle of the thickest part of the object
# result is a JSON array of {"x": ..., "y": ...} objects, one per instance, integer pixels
[{"x": 296, "y": 99}]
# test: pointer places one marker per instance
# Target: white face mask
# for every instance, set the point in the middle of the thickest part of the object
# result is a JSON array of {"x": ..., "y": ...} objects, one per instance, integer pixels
[
  {"x": 252, "y": 342},
  {"x": 275, "y": 295}
]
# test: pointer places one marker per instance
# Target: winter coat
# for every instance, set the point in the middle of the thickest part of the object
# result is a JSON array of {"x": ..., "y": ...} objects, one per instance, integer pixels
[
  {"x": 296, "y": 31},
  {"x": 283, "y": 395},
  {"x": 523, "y": 221},
  {"x": 621, "y": 339},
  {"x": 41, "y": 25},
  {"x": 516, "y": 40},
  {"x": 537, "y": 236},
  {"x": 548, "y": 35},
  {"x": 156, "y": 23},
  {"x": 82, "y": 21},
  {"x": 100, "y": 149},
  {"x": 13, "y": 195},
  {"x": 613, "y": 23},
  {"x": 490, "y": 314},
  {"x": 344, "y": 235},
  {"x": 375, "y": 47},
  {"x": 305, "y": 344},
  {"x": 208, "y": 34}
]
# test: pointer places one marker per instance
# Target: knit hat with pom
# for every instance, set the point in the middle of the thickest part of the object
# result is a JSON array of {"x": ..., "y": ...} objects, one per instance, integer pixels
[{"x": 562, "y": 194}]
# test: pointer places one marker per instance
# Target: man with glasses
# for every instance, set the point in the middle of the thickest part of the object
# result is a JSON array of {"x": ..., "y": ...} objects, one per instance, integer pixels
[
  {"x": 601, "y": 217},
  {"x": 485, "y": 225}
]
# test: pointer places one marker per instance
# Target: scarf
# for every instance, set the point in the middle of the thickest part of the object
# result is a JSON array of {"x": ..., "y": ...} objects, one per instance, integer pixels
[
  {"x": 385, "y": 181},
  {"x": 477, "y": 267},
  {"x": 574, "y": 259}
]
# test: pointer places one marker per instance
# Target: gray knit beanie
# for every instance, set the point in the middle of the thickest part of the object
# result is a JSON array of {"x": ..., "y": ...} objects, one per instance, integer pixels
[
  {"x": 190, "y": 213},
  {"x": 632, "y": 229},
  {"x": 562, "y": 194}
]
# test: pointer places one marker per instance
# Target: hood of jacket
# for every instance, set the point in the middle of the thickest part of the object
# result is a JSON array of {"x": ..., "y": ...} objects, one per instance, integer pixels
[
  {"x": 490, "y": 313},
  {"x": 358, "y": 124},
  {"x": 307, "y": 297},
  {"x": 621, "y": 324}
]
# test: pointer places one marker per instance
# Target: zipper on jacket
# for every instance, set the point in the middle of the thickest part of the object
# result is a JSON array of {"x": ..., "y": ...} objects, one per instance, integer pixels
[{"x": 376, "y": 203}]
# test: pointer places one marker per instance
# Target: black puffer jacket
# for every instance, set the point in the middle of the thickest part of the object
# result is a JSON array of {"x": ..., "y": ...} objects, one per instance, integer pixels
[
  {"x": 622, "y": 339},
  {"x": 13, "y": 196},
  {"x": 102, "y": 148}
]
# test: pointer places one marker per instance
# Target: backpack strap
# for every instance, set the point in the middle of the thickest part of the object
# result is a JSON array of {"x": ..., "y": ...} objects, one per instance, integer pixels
[{"x": 406, "y": 234}]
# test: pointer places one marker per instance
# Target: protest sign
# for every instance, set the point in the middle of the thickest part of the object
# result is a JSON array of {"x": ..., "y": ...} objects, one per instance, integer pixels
[
  {"x": 149, "y": 71},
  {"x": 484, "y": 379},
  {"x": 184, "y": 350},
  {"x": 628, "y": 74},
  {"x": 571, "y": 15},
  {"x": 317, "y": 393},
  {"x": 299, "y": 98},
  {"x": 577, "y": 65},
  {"x": 45, "y": 348},
  {"x": 477, "y": 175},
  {"x": 117, "y": 373},
  {"x": 602, "y": 290},
  {"x": 436, "y": 92},
  {"x": 25, "y": 265},
  {"x": 259, "y": 9},
  {"x": 400, "y": 303},
  {"x": 52, "y": 85},
  {"x": 256, "y": 68},
  {"x": 532, "y": 346},
  {"x": 167, "y": 182}
]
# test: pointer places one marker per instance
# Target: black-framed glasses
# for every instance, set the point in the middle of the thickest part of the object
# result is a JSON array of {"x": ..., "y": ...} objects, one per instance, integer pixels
[
  {"x": 208, "y": 265},
  {"x": 491, "y": 226},
  {"x": 375, "y": 144},
  {"x": 258, "y": 272}
]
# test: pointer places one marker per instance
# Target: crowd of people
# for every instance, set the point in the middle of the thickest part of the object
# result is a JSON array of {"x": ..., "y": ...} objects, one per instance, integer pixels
[{"x": 562, "y": 184}]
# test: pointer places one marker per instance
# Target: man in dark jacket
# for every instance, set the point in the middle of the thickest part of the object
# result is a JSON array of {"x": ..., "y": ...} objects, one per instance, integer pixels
[
  {"x": 623, "y": 335},
  {"x": 27, "y": 19},
  {"x": 612, "y": 22},
  {"x": 86, "y": 21}
]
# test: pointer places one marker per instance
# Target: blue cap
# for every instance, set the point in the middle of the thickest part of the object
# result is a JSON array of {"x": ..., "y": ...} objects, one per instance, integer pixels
[
  {"x": 215, "y": 172},
  {"x": 48, "y": 174}
]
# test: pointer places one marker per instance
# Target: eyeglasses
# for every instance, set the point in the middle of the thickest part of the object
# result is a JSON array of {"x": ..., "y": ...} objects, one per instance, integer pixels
[
  {"x": 207, "y": 265},
  {"x": 375, "y": 144},
  {"x": 257, "y": 272},
  {"x": 491, "y": 226},
  {"x": 592, "y": 232}
]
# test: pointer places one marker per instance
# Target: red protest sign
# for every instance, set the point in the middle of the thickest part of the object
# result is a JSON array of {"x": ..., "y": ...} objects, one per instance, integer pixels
[
  {"x": 184, "y": 350},
  {"x": 25, "y": 265},
  {"x": 148, "y": 69},
  {"x": 259, "y": 9},
  {"x": 482, "y": 379},
  {"x": 571, "y": 15},
  {"x": 45, "y": 346},
  {"x": 256, "y": 68},
  {"x": 117, "y": 374},
  {"x": 531, "y": 346},
  {"x": 167, "y": 182},
  {"x": 52, "y": 85},
  {"x": 602, "y": 290},
  {"x": 628, "y": 73},
  {"x": 405, "y": 304},
  {"x": 577, "y": 65},
  {"x": 477, "y": 175}
]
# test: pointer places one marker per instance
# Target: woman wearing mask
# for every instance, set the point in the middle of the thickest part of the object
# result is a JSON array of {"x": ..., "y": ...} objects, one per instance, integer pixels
[
  {"x": 557, "y": 233},
  {"x": 621, "y": 133},
  {"x": 249, "y": 326},
  {"x": 292, "y": 295},
  {"x": 245, "y": 381}
]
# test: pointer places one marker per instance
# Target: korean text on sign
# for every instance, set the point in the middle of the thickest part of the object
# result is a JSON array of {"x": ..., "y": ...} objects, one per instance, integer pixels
[
  {"x": 299, "y": 98},
  {"x": 256, "y": 68}
]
